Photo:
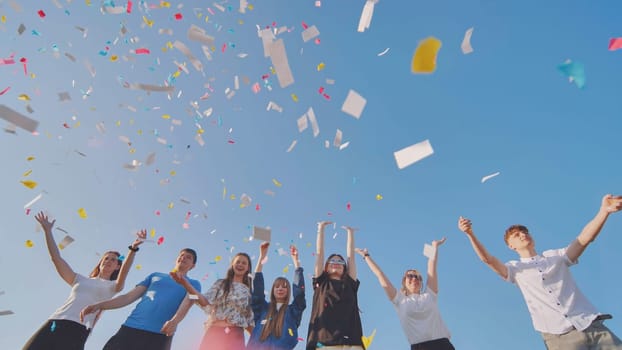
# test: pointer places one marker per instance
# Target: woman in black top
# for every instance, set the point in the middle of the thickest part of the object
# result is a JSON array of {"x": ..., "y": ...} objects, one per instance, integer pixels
[{"x": 335, "y": 321}]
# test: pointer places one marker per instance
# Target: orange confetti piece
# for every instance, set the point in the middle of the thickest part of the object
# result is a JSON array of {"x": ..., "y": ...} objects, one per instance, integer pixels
[
  {"x": 82, "y": 213},
  {"x": 30, "y": 184}
]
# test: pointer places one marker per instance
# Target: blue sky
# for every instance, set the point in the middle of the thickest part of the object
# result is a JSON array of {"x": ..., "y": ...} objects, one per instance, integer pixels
[{"x": 504, "y": 108}]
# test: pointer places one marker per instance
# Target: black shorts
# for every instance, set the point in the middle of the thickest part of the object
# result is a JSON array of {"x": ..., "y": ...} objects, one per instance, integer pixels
[
  {"x": 128, "y": 338},
  {"x": 58, "y": 335},
  {"x": 436, "y": 344}
]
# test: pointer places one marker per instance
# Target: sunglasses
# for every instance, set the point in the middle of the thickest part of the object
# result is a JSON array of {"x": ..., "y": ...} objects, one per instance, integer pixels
[
  {"x": 336, "y": 262},
  {"x": 415, "y": 276}
]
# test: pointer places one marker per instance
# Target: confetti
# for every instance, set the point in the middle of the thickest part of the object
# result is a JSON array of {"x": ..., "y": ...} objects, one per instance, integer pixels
[
  {"x": 160, "y": 240},
  {"x": 67, "y": 240},
  {"x": 29, "y": 244},
  {"x": 82, "y": 213},
  {"x": 466, "y": 42},
  {"x": 574, "y": 71},
  {"x": 412, "y": 154},
  {"x": 615, "y": 44},
  {"x": 366, "y": 15},
  {"x": 368, "y": 340},
  {"x": 383, "y": 52},
  {"x": 424, "y": 59},
  {"x": 354, "y": 104},
  {"x": 488, "y": 177},
  {"x": 379, "y": 197},
  {"x": 276, "y": 183},
  {"x": 30, "y": 184}
]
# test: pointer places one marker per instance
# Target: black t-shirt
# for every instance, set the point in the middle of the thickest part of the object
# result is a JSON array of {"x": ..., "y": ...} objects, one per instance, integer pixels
[{"x": 335, "y": 318}]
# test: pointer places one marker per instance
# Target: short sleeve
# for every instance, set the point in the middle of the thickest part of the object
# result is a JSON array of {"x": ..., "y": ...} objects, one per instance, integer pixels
[
  {"x": 213, "y": 292},
  {"x": 146, "y": 282},
  {"x": 397, "y": 299},
  {"x": 196, "y": 284},
  {"x": 511, "y": 278}
]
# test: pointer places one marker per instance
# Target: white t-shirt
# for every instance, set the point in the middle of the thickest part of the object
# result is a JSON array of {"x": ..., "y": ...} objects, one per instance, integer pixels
[
  {"x": 84, "y": 292},
  {"x": 419, "y": 316},
  {"x": 554, "y": 301}
]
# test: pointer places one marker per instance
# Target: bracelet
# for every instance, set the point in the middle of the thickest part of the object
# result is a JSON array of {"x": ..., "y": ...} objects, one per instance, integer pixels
[
  {"x": 365, "y": 256},
  {"x": 133, "y": 249}
]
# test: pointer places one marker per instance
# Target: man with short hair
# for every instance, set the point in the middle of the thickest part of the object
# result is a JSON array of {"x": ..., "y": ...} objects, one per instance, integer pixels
[
  {"x": 160, "y": 300},
  {"x": 559, "y": 311}
]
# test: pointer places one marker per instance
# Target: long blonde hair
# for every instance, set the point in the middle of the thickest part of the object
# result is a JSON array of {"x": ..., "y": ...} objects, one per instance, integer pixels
[{"x": 275, "y": 318}]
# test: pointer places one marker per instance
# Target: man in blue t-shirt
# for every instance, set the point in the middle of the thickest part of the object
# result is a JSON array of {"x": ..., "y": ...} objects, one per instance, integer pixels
[{"x": 160, "y": 298}]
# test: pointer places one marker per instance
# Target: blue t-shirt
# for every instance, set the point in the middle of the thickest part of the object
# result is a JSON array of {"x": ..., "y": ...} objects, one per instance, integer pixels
[{"x": 159, "y": 303}]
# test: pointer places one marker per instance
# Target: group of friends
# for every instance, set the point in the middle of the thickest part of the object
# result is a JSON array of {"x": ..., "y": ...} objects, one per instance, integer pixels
[{"x": 236, "y": 303}]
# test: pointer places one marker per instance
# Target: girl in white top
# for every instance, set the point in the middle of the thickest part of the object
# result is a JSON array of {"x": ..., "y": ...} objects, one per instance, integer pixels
[
  {"x": 64, "y": 330},
  {"x": 416, "y": 307}
]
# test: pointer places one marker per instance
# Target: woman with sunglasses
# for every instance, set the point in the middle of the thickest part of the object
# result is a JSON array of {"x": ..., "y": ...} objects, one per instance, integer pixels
[
  {"x": 335, "y": 322},
  {"x": 416, "y": 307},
  {"x": 276, "y": 322}
]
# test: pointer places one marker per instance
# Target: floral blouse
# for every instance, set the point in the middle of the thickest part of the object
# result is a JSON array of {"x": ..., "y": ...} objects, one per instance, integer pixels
[{"x": 235, "y": 309}]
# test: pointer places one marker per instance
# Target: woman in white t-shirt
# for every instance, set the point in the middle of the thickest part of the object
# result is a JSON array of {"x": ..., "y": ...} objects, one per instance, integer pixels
[
  {"x": 416, "y": 307},
  {"x": 63, "y": 330}
]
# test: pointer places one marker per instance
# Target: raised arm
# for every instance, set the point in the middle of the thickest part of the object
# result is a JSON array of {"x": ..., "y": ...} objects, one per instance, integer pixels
[
  {"x": 114, "y": 303},
  {"x": 62, "y": 267},
  {"x": 129, "y": 260},
  {"x": 432, "y": 275},
  {"x": 609, "y": 204},
  {"x": 319, "y": 248},
  {"x": 495, "y": 264},
  {"x": 181, "y": 279},
  {"x": 263, "y": 254},
  {"x": 298, "y": 287},
  {"x": 388, "y": 287},
  {"x": 351, "y": 253}
]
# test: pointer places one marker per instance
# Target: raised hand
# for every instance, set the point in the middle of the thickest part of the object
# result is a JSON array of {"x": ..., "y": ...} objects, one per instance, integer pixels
[
  {"x": 263, "y": 249},
  {"x": 141, "y": 236},
  {"x": 350, "y": 229},
  {"x": 611, "y": 204},
  {"x": 322, "y": 224},
  {"x": 465, "y": 225},
  {"x": 44, "y": 221},
  {"x": 437, "y": 243},
  {"x": 361, "y": 252},
  {"x": 293, "y": 251}
]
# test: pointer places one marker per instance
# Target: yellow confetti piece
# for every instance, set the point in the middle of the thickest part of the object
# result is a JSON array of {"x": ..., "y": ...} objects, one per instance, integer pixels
[
  {"x": 77, "y": 124},
  {"x": 308, "y": 244},
  {"x": 276, "y": 183},
  {"x": 291, "y": 333},
  {"x": 171, "y": 205},
  {"x": 132, "y": 150},
  {"x": 3, "y": 19},
  {"x": 82, "y": 213},
  {"x": 23, "y": 97},
  {"x": 250, "y": 7},
  {"x": 286, "y": 269},
  {"x": 30, "y": 158},
  {"x": 174, "y": 270},
  {"x": 33, "y": 75},
  {"x": 165, "y": 4},
  {"x": 166, "y": 116},
  {"x": 240, "y": 22},
  {"x": 118, "y": 123},
  {"x": 169, "y": 45},
  {"x": 294, "y": 98},
  {"x": 217, "y": 258},
  {"x": 424, "y": 59},
  {"x": 152, "y": 232},
  {"x": 173, "y": 173},
  {"x": 139, "y": 131},
  {"x": 232, "y": 197},
  {"x": 27, "y": 173},
  {"x": 131, "y": 121},
  {"x": 321, "y": 66},
  {"x": 200, "y": 131},
  {"x": 87, "y": 2},
  {"x": 272, "y": 70},
  {"x": 139, "y": 266},
  {"x": 224, "y": 192},
  {"x": 29, "y": 244},
  {"x": 378, "y": 197},
  {"x": 148, "y": 21},
  {"x": 367, "y": 340},
  {"x": 29, "y": 184},
  {"x": 176, "y": 74},
  {"x": 114, "y": 58}
]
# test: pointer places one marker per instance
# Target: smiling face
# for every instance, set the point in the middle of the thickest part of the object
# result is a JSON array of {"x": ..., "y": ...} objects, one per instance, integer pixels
[
  {"x": 280, "y": 290},
  {"x": 108, "y": 264},
  {"x": 241, "y": 266},
  {"x": 412, "y": 282},
  {"x": 517, "y": 238},
  {"x": 335, "y": 266},
  {"x": 185, "y": 261}
]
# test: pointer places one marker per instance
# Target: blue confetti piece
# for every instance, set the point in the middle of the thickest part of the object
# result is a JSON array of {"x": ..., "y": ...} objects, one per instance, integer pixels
[
  {"x": 36, "y": 33},
  {"x": 219, "y": 121},
  {"x": 67, "y": 12},
  {"x": 121, "y": 258},
  {"x": 53, "y": 327},
  {"x": 575, "y": 71}
]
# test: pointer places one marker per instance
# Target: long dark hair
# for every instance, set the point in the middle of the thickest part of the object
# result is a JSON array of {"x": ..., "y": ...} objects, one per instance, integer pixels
[
  {"x": 228, "y": 281},
  {"x": 345, "y": 266},
  {"x": 275, "y": 318}
]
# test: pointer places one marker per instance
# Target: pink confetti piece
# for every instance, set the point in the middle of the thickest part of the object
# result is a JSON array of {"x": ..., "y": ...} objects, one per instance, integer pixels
[
  {"x": 188, "y": 214},
  {"x": 129, "y": 6},
  {"x": 41, "y": 13},
  {"x": 142, "y": 51},
  {"x": 178, "y": 16},
  {"x": 615, "y": 44},
  {"x": 348, "y": 206},
  {"x": 160, "y": 240},
  {"x": 256, "y": 88},
  {"x": 23, "y": 60},
  {"x": 157, "y": 212},
  {"x": 28, "y": 211},
  {"x": 326, "y": 96},
  {"x": 317, "y": 41},
  {"x": 211, "y": 11},
  {"x": 257, "y": 207},
  {"x": 185, "y": 226},
  {"x": 224, "y": 47},
  {"x": 304, "y": 25},
  {"x": 231, "y": 141},
  {"x": 5, "y": 90}
]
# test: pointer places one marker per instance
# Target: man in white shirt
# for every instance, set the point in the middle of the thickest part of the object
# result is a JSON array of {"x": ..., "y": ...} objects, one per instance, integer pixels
[{"x": 559, "y": 311}]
